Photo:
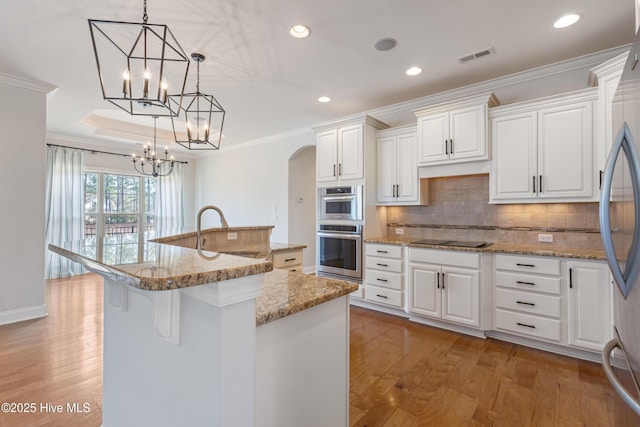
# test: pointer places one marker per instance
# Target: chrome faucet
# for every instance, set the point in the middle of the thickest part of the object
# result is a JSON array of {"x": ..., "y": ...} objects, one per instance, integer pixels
[{"x": 223, "y": 222}]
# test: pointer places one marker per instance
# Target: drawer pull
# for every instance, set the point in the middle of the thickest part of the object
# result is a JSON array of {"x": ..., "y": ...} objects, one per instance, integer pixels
[
  {"x": 290, "y": 259},
  {"x": 525, "y": 283},
  {"x": 382, "y": 280},
  {"x": 382, "y": 296},
  {"x": 382, "y": 265},
  {"x": 525, "y": 303},
  {"x": 383, "y": 252},
  {"x": 525, "y": 325},
  {"x": 525, "y": 265}
]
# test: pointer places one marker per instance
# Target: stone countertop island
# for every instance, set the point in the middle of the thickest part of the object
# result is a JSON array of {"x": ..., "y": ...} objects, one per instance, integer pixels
[{"x": 198, "y": 337}]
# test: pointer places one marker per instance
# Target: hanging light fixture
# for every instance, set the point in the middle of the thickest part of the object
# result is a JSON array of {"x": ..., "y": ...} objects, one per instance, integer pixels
[
  {"x": 138, "y": 64},
  {"x": 151, "y": 157},
  {"x": 203, "y": 117}
]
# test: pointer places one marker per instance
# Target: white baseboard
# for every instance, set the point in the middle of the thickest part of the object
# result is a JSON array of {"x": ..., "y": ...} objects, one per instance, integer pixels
[
  {"x": 21, "y": 314},
  {"x": 309, "y": 270}
]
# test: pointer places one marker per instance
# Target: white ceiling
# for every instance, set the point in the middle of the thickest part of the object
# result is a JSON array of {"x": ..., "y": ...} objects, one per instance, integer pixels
[{"x": 269, "y": 82}]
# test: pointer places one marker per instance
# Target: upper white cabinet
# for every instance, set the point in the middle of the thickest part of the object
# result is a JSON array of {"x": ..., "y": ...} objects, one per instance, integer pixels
[
  {"x": 340, "y": 154},
  {"x": 606, "y": 77},
  {"x": 344, "y": 149},
  {"x": 397, "y": 166},
  {"x": 543, "y": 150},
  {"x": 454, "y": 132}
]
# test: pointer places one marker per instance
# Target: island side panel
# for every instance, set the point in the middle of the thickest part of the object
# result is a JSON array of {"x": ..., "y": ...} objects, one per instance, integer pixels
[
  {"x": 149, "y": 380},
  {"x": 302, "y": 368}
]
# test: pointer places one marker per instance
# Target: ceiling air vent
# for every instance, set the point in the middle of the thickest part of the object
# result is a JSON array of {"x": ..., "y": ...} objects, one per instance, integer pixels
[{"x": 476, "y": 55}]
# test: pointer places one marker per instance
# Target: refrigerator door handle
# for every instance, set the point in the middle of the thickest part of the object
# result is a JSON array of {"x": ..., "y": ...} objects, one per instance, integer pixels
[
  {"x": 611, "y": 376},
  {"x": 624, "y": 279}
]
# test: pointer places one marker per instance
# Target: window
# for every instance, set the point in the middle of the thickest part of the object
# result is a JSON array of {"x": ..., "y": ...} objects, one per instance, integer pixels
[{"x": 118, "y": 204}]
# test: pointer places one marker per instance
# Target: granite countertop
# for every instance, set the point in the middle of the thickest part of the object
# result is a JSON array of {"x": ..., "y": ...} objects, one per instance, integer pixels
[
  {"x": 289, "y": 292},
  {"x": 504, "y": 248},
  {"x": 285, "y": 247}
]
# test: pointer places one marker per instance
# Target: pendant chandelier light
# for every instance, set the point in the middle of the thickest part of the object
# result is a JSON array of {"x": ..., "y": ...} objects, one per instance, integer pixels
[
  {"x": 203, "y": 117},
  {"x": 151, "y": 158},
  {"x": 138, "y": 65}
]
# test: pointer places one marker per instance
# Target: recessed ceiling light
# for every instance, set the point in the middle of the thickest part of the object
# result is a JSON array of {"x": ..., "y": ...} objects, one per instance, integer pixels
[
  {"x": 414, "y": 71},
  {"x": 299, "y": 31},
  {"x": 385, "y": 44},
  {"x": 324, "y": 99},
  {"x": 566, "y": 20}
]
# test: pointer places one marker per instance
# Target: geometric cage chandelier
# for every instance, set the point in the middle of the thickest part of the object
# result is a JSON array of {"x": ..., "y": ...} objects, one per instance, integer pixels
[
  {"x": 139, "y": 64},
  {"x": 201, "y": 126}
]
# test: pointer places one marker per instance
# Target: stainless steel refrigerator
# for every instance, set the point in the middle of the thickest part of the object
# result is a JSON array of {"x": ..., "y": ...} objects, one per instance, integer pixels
[{"x": 620, "y": 230}]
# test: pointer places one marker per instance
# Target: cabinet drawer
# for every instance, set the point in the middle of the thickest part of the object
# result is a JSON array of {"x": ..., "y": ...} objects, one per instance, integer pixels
[
  {"x": 385, "y": 251},
  {"x": 384, "y": 279},
  {"x": 528, "y": 302},
  {"x": 527, "y": 324},
  {"x": 527, "y": 282},
  {"x": 385, "y": 264},
  {"x": 359, "y": 293},
  {"x": 442, "y": 257},
  {"x": 384, "y": 296},
  {"x": 287, "y": 259},
  {"x": 538, "y": 265}
]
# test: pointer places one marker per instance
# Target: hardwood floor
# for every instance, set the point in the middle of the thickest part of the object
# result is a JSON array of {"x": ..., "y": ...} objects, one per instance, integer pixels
[{"x": 403, "y": 374}]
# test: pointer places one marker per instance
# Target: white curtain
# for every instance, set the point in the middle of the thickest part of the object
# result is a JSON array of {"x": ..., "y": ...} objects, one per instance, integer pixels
[
  {"x": 64, "y": 198},
  {"x": 169, "y": 205}
]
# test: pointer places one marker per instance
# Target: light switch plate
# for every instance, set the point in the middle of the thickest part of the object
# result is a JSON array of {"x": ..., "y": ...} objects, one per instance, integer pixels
[
  {"x": 547, "y": 238},
  {"x": 399, "y": 230},
  {"x": 232, "y": 236}
]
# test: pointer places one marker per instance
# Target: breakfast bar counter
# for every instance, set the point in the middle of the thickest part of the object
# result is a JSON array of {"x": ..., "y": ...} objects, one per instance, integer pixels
[{"x": 203, "y": 337}]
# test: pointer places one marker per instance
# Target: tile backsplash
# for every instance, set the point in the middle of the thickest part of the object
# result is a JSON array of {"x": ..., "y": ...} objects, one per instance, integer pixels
[{"x": 459, "y": 209}]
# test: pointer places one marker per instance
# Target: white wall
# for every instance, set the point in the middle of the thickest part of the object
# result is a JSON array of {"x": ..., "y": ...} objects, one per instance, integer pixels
[
  {"x": 302, "y": 202},
  {"x": 22, "y": 191},
  {"x": 250, "y": 184}
]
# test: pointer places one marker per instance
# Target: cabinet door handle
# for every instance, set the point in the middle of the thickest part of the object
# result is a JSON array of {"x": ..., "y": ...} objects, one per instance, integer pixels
[
  {"x": 525, "y": 283},
  {"x": 289, "y": 259},
  {"x": 397, "y": 190},
  {"x": 534, "y": 184},
  {"x": 540, "y": 185},
  {"x": 446, "y": 146},
  {"x": 340, "y": 169},
  {"x": 382, "y": 252},
  {"x": 571, "y": 278},
  {"x": 525, "y": 303},
  {"x": 525, "y": 265},
  {"x": 381, "y": 280},
  {"x": 334, "y": 169},
  {"x": 382, "y": 296},
  {"x": 382, "y": 265},
  {"x": 601, "y": 173},
  {"x": 438, "y": 281},
  {"x": 451, "y": 146},
  {"x": 525, "y": 325},
  {"x": 442, "y": 280}
]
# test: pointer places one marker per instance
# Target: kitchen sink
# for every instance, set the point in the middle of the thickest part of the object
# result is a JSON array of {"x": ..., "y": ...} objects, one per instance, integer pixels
[{"x": 453, "y": 243}]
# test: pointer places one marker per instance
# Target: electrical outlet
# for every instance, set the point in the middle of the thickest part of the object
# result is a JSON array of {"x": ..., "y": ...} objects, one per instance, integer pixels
[
  {"x": 399, "y": 230},
  {"x": 232, "y": 236},
  {"x": 547, "y": 238}
]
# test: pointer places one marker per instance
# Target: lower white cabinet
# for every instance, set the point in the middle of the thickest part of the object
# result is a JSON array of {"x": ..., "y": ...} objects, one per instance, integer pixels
[
  {"x": 589, "y": 305},
  {"x": 383, "y": 277},
  {"x": 289, "y": 260},
  {"x": 445, "y": 285}
]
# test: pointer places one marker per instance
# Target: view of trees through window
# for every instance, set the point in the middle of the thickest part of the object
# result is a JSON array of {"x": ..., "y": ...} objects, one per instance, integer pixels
[{"x": 117, "y": 204}]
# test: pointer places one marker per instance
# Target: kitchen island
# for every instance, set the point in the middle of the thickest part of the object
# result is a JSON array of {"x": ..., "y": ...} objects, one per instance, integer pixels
[{"x": 195, "y": 337}]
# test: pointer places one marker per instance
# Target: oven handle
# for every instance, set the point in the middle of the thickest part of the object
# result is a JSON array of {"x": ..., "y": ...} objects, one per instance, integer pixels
[
  {"x": 345, "y": 235},
  {"x": 334, "y": 198}
]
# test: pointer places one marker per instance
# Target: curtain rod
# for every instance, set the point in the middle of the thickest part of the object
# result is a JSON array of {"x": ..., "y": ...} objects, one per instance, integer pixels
[{"x": 103, "y": 152}]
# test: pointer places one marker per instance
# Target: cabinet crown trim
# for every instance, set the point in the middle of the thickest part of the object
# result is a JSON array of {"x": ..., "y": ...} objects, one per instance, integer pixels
[
  {"x": 397, "y": 130},
  {"x": 488, "y": 98},
  {"x": 353, "y": 120},
  {"x": 582, "y": 95},
  {"x": 610, "y": 66}
]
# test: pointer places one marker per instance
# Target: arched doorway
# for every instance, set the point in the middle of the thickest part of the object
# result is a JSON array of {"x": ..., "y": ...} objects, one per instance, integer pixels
[{"x": 302, "y": 203}]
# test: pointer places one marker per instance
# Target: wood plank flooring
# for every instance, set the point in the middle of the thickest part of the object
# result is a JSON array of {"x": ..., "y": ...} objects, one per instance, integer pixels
[{"x": 403, "y": 374}]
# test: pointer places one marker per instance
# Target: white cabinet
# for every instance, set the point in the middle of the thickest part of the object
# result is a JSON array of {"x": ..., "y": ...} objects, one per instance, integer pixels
[
  {"x": 527, "y": 297},
  {"x": 454, "y": 132},
  {"x": 384, "y": 278},
  {"x": 340, "y": 154},
  {"x": 589, "y": 305},
  {"x": 543, "y": 150},
  {"x": 445, "y": 285},
  {"x": 287, "y": 260},
  {"x": 397, "y": 166}
]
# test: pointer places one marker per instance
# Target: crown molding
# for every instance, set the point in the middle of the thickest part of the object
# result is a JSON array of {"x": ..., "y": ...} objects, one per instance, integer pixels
[
  {"x": 613, "y": 65},
  {"x": 271, "y": 138},
  {"x": 26, "y": 83}
]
